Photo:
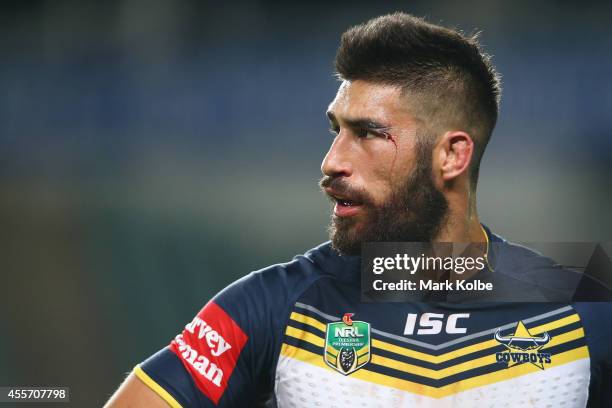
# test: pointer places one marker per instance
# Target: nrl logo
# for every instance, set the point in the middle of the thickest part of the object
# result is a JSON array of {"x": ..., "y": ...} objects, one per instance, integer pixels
[
  {"x": 523, "y": 347},
  {"x": 347, "y": 345}
]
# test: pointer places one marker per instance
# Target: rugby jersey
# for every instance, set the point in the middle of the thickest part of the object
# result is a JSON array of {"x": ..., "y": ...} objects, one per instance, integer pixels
[{"x": 298, "y": 335}]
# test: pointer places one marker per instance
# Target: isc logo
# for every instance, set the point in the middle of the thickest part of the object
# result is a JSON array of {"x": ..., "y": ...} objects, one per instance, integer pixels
[{"x": 432, "y": 323}]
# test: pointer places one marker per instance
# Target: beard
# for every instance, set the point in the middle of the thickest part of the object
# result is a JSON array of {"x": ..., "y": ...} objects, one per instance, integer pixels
[{"x": 415, "y": 212}]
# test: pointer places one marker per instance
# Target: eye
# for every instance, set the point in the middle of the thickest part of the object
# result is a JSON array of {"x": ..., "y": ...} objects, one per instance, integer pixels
[
  {"x": 366, "y": 134},
  {"x": 334, "y": 130}
]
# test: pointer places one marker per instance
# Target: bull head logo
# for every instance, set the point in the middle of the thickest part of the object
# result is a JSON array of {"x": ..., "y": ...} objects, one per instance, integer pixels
[{"x": 522, "y": 343}]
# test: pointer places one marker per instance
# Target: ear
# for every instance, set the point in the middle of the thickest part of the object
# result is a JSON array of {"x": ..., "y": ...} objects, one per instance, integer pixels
[{"x": 455, "y": 150}]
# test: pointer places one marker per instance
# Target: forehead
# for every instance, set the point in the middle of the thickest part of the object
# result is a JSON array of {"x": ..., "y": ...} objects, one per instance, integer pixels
[{"x": 380, "y": 102}]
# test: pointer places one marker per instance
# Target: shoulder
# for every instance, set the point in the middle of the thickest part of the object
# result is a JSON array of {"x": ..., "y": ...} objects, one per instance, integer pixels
[
  {"x": 275, "y": 285},
  {"x": 538, "y": 277},
  {"x": 264, "y": 297},
  {"x": 547, "y": 278},
  {"x": 595, "y": 318},
  {"x": 227, "y": 353},
  {"x": 596, "y": 314},
  {"x": 511, "y": 256}
]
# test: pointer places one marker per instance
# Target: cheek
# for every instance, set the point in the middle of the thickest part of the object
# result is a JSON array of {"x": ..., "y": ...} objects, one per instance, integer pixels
[
  {"x": 379, "y": 166},
  {"x": 383, "y": 158},
  {"x": 381, "y": 190},
  {"x": 402, "y": 167}
]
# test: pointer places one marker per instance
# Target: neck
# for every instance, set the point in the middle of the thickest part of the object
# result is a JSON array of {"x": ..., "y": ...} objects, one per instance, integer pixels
[
  {"x": 463, "y": 224},
  {"x": 463, "y": 229}
]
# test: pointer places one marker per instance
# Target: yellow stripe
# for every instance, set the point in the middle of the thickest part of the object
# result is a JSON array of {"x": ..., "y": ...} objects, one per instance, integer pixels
[
  {"x": 144, "y": 377},
  {"x": 302, "y": 335},
  {"x": 564, "y": 321},
  {"x": 362, "y": 359},
  {"x": 331, "y": 351},
  {"x": 564, "y": 338},
  {"x": 448, "y": 371},
  {"x": 380, "y": 344},
  {"x": 420, "y": 389},
  {"x": 301, "y": 318},
  {"x": 465, "y": 366},
  {"x": 469, "y": 349},
  {"x": 486, "y": 254}
]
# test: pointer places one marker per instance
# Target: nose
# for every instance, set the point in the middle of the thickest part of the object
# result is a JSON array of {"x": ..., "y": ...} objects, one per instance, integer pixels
[{"x": 337, "y": 162}]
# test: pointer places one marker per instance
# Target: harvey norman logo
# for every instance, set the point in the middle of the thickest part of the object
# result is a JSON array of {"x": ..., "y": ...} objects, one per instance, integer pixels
[
  {"x": 199, "y": 362},
  {"x": 209, "y": 348},
  {"x": 217, "y": 345}
]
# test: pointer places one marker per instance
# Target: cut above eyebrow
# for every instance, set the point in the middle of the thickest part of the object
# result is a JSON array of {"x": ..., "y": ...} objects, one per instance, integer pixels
[{"x": 359, "y": 123}]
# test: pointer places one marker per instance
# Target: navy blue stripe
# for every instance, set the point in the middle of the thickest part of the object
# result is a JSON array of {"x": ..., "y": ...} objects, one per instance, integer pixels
[
  {"x": 467, "y": 357},
  {"x": 312, "y": 314},
  {"x": 487, "y": 369},
  {"x": 458, "y": 360},
  {"x": 447, "y": 380},
  {"x": 306, "y": 327},
  {"x": 565, "y": 347},
  {"x": 292, "y": 341},
  {"x": 422, "y": 338},
  {"x": 445, "y": 364},
  {"x": 370, "y": 366}
]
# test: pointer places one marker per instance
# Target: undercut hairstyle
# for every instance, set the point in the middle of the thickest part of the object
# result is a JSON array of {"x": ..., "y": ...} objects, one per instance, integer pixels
[{"x": 448, "y": 80}]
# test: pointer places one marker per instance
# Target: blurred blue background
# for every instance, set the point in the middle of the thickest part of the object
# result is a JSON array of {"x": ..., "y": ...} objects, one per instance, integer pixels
[{"x": 154, "y": 151}]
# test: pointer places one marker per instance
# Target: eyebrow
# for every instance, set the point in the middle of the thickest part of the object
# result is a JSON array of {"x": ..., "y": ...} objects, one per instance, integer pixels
[{"x": 358, "y": 123}]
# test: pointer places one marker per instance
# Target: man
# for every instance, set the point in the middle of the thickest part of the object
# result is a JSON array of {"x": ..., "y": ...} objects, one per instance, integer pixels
[{"x": 411, "y": 120}]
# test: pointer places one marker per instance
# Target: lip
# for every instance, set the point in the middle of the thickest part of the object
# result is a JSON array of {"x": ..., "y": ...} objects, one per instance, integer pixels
[{"x": 341, "y": 210}]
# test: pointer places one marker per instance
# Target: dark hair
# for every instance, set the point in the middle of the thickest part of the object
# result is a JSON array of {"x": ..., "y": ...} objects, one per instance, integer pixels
[{"x": 452, "y": 80}]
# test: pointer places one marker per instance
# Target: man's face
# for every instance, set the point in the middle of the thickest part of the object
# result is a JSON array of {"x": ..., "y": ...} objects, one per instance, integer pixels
[{"x": 378, "y": 170}]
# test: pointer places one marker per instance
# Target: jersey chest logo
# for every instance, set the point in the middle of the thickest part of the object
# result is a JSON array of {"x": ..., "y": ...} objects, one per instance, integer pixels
[
  {"x": 347, "y": 345},
  {"x": 523, "y": 347}
]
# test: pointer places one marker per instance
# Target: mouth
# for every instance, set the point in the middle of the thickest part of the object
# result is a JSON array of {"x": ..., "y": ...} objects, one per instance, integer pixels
[{"x": 345, "y": 206}]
